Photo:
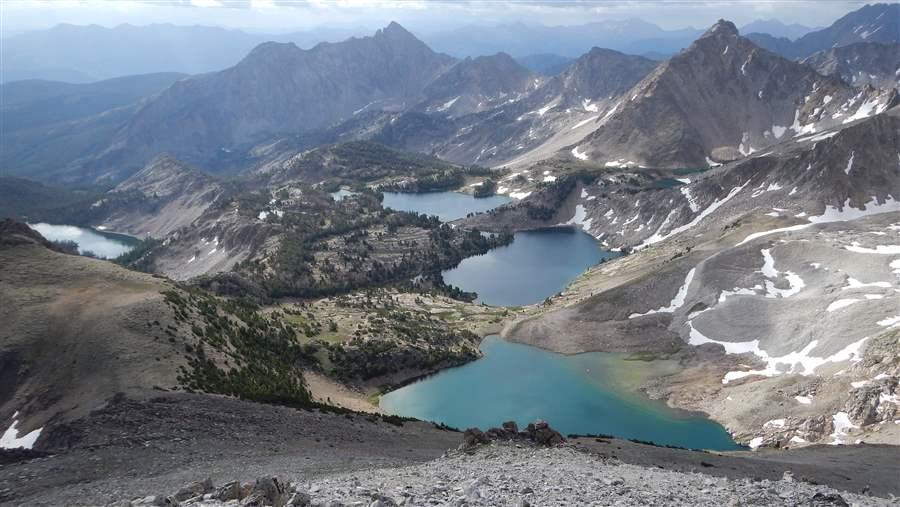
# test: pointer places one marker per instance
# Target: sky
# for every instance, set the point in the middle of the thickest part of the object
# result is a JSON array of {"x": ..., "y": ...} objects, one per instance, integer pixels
[{"x": 271, "y": 16}]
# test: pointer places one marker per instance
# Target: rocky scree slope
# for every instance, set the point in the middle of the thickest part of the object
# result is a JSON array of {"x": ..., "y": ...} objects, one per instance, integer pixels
[
  {"x": 164, "y": 196},
  {"x": 504, "y": 473}
]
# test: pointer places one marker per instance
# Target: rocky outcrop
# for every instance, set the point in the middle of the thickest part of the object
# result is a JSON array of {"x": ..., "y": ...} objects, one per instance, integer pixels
[{"x": 538, "y": 432}]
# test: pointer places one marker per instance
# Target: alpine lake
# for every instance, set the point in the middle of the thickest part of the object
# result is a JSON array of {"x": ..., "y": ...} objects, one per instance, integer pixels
[{"x": 588, "y": 394}]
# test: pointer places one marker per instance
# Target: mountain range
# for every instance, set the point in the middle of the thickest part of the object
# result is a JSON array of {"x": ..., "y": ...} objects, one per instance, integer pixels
[
  {"x": 871, "y": 23},
  {"x": 79, "y": 54},
  {"x": 604, "y": 108}
]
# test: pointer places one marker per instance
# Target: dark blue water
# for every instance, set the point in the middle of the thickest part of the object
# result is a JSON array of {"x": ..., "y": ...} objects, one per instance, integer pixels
[
  {"x": 575, "y": 394},
  {"x": 536, "y": 265},
  {"x": 446, "y": 205},
  {"x": 102, "y": 244}
]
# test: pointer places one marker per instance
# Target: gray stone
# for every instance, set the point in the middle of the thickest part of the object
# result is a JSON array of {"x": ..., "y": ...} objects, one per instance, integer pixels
[
  {"x": 230, "y": 491},
  {"x": 194, "y": 489}
]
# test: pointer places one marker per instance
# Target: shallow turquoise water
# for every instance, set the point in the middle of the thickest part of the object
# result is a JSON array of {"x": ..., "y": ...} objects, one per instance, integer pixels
[
  {"x": 446, "y": 205},
  {"x": 536, "y": 265},
  {"x": 573, "y": 393},
  {"x": 103, "y": 244}
]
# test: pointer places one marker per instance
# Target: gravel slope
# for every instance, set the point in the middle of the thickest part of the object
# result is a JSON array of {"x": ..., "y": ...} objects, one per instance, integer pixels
[{"x": 523, "y": 475}]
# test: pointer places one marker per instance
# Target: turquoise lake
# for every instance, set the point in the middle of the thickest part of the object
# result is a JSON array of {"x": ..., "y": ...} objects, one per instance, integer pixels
[
  {"x": 575, "y": 394},
  {"x": 105, "y": 245},
  {"x": 536, "y": 265}
]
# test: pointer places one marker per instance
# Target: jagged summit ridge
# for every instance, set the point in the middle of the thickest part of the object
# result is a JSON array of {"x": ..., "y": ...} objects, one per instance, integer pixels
[
  {"x": 722, "y": 28},
  {"x": 279, "y": 88},
  {"x": 721, "y": 99}
]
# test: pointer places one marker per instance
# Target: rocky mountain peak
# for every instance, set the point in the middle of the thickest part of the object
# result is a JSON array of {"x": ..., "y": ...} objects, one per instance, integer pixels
[
  {"x": 395, "y": 32},
  {"x": 740, "y": 99},
  {"x": 722, "y": 28}
]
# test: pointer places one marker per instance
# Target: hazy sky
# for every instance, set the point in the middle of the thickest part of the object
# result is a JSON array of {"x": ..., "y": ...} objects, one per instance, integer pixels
[{"x": 422, "y": 15}]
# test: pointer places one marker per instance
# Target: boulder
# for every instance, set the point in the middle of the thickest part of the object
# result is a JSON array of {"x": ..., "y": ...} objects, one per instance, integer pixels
[
  {"x": 862, "y": 405},
  {"x": 826, "y": 500},
  {"x": 300, "y": 499},
  {"x": 498, "y": 434},
  {"x": 473, "y": 437},
  {"x": 230, "y": 491},
  {"x": 154, "y": 501},
  {"x": 511, "y": 427},
  {"x": 541, "y": 433},
  {"x": 194, "y": 489},
  {"x": 268, "y": 491}
]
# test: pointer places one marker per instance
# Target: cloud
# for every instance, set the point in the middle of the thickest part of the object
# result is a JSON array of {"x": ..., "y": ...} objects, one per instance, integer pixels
[{"x": 424, "y": 15}]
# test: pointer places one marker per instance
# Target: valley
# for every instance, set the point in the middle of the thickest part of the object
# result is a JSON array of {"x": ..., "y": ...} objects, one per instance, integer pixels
[{"x": 343, "y": 255}]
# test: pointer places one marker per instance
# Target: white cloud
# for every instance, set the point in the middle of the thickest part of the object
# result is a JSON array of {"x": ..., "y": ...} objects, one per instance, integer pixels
[
  {"x": 414, "y": 14},
  {"x": 206, "y": 3}
]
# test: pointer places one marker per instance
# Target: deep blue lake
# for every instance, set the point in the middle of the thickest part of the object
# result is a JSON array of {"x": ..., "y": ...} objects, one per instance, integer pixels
[
  {"x": 536, "y": 265},
  {"x": 575, "y": 394}
]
